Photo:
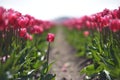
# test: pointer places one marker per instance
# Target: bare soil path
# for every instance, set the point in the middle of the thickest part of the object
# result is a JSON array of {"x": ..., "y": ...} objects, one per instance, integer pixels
[{"x": 67, "y": 66}]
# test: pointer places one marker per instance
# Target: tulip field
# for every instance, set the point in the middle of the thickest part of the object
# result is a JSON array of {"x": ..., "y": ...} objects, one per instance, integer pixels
[
  {"x": 97, "y": 38},
  {"x": 25, "y": 44}
]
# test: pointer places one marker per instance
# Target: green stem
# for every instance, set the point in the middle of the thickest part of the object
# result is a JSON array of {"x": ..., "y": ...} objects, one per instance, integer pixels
[{"x": 47, "y": 55}]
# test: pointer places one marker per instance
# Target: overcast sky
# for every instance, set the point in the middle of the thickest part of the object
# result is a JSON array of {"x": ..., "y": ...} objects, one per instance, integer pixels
[{"x": 50, "y": 9}]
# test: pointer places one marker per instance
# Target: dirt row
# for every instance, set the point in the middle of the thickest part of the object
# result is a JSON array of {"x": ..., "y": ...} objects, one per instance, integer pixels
[{"x": 66, "y": 65}]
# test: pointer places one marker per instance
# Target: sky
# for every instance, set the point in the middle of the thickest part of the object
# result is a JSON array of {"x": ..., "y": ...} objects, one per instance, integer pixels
[{"x": 51, "y": 9}]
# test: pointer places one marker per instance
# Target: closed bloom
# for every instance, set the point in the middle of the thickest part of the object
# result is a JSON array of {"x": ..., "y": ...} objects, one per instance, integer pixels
[
  {"x": 28, "y": 37},
  {"x": 36, "y": 29},
  {"x": 86, "y": 33},
  {"x": 50, "y": 37},
  {"x": 23, "y": 21},
  {"x": 22, "y": 32}
]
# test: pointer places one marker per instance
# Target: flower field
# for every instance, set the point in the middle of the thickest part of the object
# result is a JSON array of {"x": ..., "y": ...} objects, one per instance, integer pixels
[
  {"x": 97, "y": 38},
  {"x": 25, "y": 45}
]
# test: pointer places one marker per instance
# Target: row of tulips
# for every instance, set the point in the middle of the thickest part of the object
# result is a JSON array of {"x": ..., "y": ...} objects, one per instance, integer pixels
[
  {"x": 106, "y": 18},
  {"x": 23, "y": 25},
  {"x": 97, "y": 38},
  {"x": 24, "y": 47}
]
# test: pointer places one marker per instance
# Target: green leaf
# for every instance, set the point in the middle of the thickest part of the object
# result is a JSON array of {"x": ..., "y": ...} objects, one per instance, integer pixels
[{"x": 49, "y": 77}]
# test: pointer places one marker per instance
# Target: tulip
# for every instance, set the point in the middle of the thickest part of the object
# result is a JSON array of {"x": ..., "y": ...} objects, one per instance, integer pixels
[
  {"x": 22, "y": 32},
  {"x": 86, "y": 33},
  {"x": 50, "y": 37},
  {"x": 37, "y": 29}
]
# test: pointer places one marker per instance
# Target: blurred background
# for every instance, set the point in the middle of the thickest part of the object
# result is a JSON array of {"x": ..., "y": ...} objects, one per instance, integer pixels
[
  {"x": 52, "y": 9},
  {"x": 83, "y": 44}
]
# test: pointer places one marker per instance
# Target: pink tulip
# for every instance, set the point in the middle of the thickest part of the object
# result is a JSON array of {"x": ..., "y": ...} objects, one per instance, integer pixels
[
  {"x": 86, "y": 33},
  {"x": 50, "y": 37}
]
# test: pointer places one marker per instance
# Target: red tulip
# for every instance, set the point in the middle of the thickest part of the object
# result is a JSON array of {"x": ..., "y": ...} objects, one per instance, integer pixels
[
  {"x": 22, "y": 32},
  {"x": 114, "y": 25},
  {"x": 28, "y": 37},
  {"x": 36, "y": 29},
  {"x": 23, "y": 21},
  {"x": 88, "y": 24},
  {"x": 2, "y": 10},
  {"x": 50, "y": 37}
]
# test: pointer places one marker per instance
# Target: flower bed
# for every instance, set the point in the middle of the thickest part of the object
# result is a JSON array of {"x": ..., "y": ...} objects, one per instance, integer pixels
[
  {"x": 23, "y": 46},
  {"x": 97, "y": 37}
]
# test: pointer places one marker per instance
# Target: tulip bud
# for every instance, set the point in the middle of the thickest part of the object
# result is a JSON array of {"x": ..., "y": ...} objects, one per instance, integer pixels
[
  {"x": 28, "y": 37},
  {"x": 50, "y": 37},
  {"x": 86, "y": 33},
  {"x": 22, "y": 32}
]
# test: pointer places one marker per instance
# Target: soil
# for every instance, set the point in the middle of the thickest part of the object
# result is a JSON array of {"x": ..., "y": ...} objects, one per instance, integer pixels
[{"x": 67, "y": 65}]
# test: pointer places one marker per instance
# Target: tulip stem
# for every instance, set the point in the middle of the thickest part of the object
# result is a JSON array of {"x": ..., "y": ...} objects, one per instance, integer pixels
[{"x": 47, "y": 54}]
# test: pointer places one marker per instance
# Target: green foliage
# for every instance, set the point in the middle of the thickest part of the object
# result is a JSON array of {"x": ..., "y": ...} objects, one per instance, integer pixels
[
  {"x": 105, "y": 55},
  {"x": 102, "y": 48},
  {"x": 26, "y": 59},
  {"x": 77, "y": 39}
]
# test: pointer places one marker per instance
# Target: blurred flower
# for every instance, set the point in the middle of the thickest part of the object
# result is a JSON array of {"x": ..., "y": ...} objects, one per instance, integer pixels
[
  {"x": 36, "y": 29},
  {"x": 2, "y": 10},
  {"x": 22, "y": 32},
  {"x": 28, "y": 37},
  {"x": 23, "y": 21},
  {"x": 50, "y": 37},
  {"x": 115, "y": 25},
  {"x": 86, "y": 33}
]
